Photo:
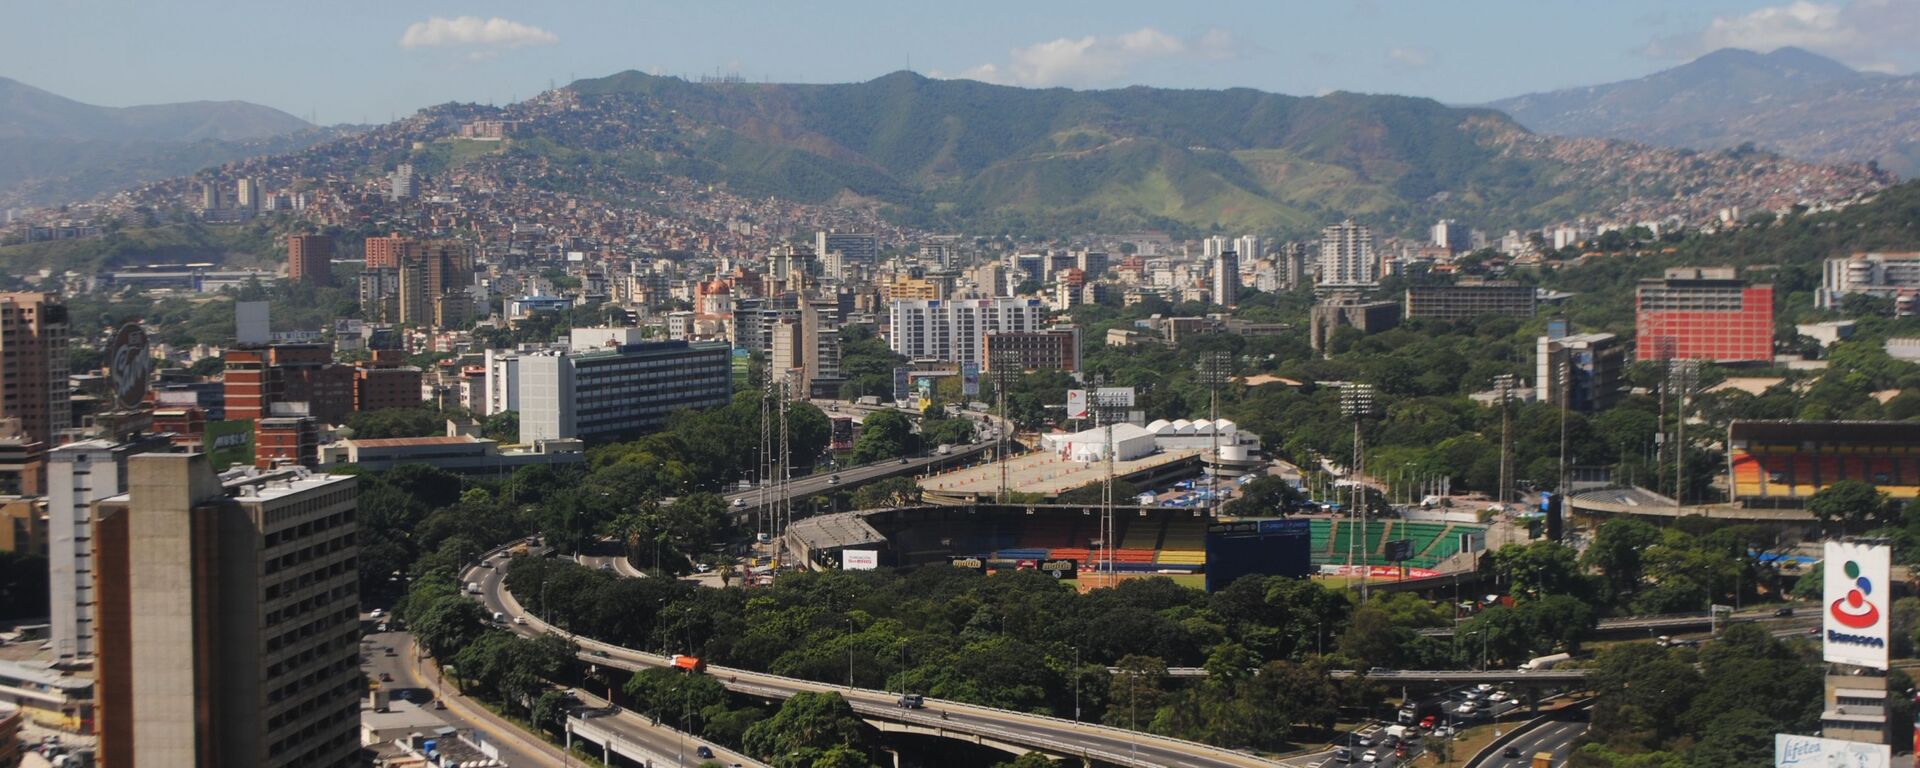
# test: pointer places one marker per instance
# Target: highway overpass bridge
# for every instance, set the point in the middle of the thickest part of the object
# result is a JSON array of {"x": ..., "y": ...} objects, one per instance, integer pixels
[
  {"x": 1013, "y": 732},
  {"x": 1434, "y": 677}
]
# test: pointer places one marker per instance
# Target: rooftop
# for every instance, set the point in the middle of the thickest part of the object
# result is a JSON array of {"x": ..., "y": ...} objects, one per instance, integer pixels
[{"x": 404, "y": 442}]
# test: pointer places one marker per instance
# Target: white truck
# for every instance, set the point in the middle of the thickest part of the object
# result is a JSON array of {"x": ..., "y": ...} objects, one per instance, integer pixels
[
  {"x": 473, "y": 587},
  {"x": 1545, "y": 662}
]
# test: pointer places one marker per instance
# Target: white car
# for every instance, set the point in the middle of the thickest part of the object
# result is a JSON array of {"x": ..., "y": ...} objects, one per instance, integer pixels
[
  {"x": 1372, "y": 756},
  {"x": 1497, "y": 696},
  {"x": 1483, "y": 687},
  {"x": 519, "y": 620}
]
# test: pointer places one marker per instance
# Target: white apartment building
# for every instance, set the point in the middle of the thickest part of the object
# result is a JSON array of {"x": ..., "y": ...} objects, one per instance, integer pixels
[
  {"x": 1347, "y": 255},
  {"x": 1884, "y": 275},
  {"x": 956, "y": 331}
]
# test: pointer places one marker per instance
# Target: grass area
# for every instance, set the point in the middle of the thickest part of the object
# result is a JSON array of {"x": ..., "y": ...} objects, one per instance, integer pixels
[{"x": 255, "y": 242}]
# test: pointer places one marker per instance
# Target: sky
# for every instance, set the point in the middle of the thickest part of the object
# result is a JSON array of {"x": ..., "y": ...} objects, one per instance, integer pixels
[{"x": 360, "y": 61}]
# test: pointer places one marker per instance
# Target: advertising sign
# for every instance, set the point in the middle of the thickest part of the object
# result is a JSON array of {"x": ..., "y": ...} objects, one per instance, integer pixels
[
  {"x": 1060, "y": 569},
  {"x": 859, "y": 559},
  {"x": 1857, "y": 616},
  {"x": 1076, "y": 403},
  {"x": 899, "y": 384},
  {"x": 1399, "y": 550},
  {"x": 228, "y": 443},
  {"x": 129, "y": 365},
  {"x": 1816, "y": 752},
  {"x": 970, "y": 379}
]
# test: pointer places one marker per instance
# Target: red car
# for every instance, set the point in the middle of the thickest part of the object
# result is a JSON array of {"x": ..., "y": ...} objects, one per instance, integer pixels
[{"x": 1426, "y": 723}]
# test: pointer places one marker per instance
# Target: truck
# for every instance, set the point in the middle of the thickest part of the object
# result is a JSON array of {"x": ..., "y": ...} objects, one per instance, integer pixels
[
  {"x": 473, "y": 587},
  {"x": 944, "y": 449},
  {"x": 1545, "y": 662},
  {"x": 1399, "y": 732},
  {"x": 868, "y": 400},
  {"x": 1542, "y": 760},
  {"x": 689, "y": 664}
]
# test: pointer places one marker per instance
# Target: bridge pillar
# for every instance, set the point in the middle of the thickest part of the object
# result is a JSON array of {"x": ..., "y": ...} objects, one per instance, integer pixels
[{"x": 895, "y": 754}]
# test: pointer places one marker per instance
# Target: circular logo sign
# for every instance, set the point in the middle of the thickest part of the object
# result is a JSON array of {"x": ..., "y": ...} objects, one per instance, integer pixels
[
  {"x": 1854, "y": 610},
  {"x": 129, "y": 365}
]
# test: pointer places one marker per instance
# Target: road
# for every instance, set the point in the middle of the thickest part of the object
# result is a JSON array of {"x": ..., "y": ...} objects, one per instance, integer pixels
[
  {"x": 811, "y": 485},
  {"x": 670, "y": 744},
  {"x": 1555, "y": 737},
  {"x": 416, "y": 679},
  {"x": 1054, "y": 735}
]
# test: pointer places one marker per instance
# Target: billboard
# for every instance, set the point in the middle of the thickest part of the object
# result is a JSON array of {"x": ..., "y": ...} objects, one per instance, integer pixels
[
  {"x": 1816, "y": 752},
  {"x": 129, "y": 365},
  {"x": 899, "y": 384},
  {"x": 1115, "y": 397},
  {"x": 228, "y": 443},
  {"x": 970, "y": 379},
  {"x": 1855, "y": 624},
  {"x": 1399, "y": 550},
  {"x": 1076, "y": 403},
  {"x": 859, "y": 559},
  {"x": 1257, "y": 548}
]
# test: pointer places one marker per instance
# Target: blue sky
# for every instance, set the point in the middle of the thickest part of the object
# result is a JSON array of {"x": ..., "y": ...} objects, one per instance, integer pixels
[{"x": 365, "y": 61}]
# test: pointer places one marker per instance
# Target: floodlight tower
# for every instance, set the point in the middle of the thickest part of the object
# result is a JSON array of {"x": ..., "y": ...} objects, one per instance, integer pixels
[
  {"x": 1356, "y": 401},
  {"x": 1000, "y": 359},
  {"x": 1214, "y": 367},
  {"x": 1503, "y": 386},
  {"x": 1109, "y": 406},
  {"x": 1683, "y": 376}
]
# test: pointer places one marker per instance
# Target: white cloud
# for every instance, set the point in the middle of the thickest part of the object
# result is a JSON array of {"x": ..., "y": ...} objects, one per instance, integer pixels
[
  {"x": 1411, "y": 58},
  {"x": 1096, "y": 60},
  {"x": 1864, "y": 33},
  {"x": 476, "y": 32}
]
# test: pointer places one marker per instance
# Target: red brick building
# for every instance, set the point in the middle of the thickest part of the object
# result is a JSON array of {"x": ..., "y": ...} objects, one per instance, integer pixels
[
  {"x": 1703, "y": 314},
  {"x": 387, "y": 252},
  {"x": 310, "y": 259}
]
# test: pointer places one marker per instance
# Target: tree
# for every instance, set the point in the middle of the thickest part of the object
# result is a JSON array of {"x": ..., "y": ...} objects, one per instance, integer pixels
[
  {"x": 810, "y": 724},
  {"x": 1265, "y": 496},
  {"x": 1029, "y": 760},
  {"x": 1850, "y": 505},
  {"x": 884, "y": 435},
  {"x": 891, "y": 492},
  {"x": 1618, "y": 550},
  {"x": 1540, "y": 569}
]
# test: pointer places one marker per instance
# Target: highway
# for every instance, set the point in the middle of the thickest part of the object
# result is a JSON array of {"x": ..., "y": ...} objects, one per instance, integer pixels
[
  {"x": 416, "y": 680},
  {"x": 1017, "y": 731},
  {"x": 818, "y": 483},
  {"x": 632, "y": 733},
  {"x": 1554, "y": 737},
  {"x": 1436, "y": 676},
  {"x": 1654, "y": 624}
]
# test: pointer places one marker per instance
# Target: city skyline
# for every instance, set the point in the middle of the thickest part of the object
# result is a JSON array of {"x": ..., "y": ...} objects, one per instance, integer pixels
[{"x": 382, "y": 62}]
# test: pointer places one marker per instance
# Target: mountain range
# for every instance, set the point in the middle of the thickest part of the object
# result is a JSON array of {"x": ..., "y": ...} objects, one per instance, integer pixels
[
  {"x": 960, "y": 154},
  {"x": 54, "y": 149},
  {"x": 1790, "y": 101}
]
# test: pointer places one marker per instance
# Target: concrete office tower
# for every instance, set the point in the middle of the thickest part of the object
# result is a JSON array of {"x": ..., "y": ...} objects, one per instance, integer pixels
[
  {"x": 229, "y": 618},
  {"x": 387, "y": 252},
  {"x": 33, "y": 353},
  {"x": 1346, "y": 256},
  {"x": 400, "y": 183},
  {"x": 1226, "y": 279},
  {"x": 79, "y": 474},
  {"x": 1893, "y": 276},
  {"x": 853, "y": 247},
  {"x": 1583, "y": 371},
  {"x": 247, "y": 193},
  {"x": 617, "y": 385},
  {"x": 310, "y": 259}
]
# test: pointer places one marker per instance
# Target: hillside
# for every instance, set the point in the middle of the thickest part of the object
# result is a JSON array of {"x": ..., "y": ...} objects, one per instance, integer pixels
[
  {"x": 54, "y": 149},
  {"x": 946, "y": 154},
  {"x": 1790, "y": 101}
]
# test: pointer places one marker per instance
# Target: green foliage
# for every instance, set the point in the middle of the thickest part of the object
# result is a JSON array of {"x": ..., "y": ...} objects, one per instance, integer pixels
[
  {"x": 1265, "y": 496},
  {"x": 1851, "y": 505},
  {"x": 812, "y": 729},
  {"x": 885, "y": 435},
  {"x": 1724, "y": 702}
]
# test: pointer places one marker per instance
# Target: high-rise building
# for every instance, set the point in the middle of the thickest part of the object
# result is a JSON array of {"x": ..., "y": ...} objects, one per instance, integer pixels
[
  {"x": 1291, "y": 262},
  {"x": 853, "y": 247},
  {"x": 1248, "y": 247},
  {"x": 79, "y": 474},
  {"x": 400, "y": 183},
  {"x": 1583, "y": 371},
  {"x": 1053, "y": 349},
  {"x": 956, "y": 331},
  {"x": 1696, "y": 313},
  {"x": 387, "y": 252},
  {"x": 247, "y": 194},
  {"x": 1226, "y": 278},
  {"x": 1463, "y": 301},
  {"x": 1453, "y": 236},
  {"x": 1346, "y": 256},
  {"x": 1091, "y": 262},
  {"x": 1214, "y": 245},
  {"x": 310, "y": 259},
  {"x": 623, "y": 386},
  {"x": 1894, "y": 276},
  {"x": 228, "y": 614},
  {"x": 33, "y": 352}
]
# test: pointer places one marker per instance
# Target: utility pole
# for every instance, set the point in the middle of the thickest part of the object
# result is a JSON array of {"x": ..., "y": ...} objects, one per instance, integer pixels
[
  {"x": 1356, "y": 401},
  {"x": 1503, "y": 392},
  {"x": 1214, "y": 368}
]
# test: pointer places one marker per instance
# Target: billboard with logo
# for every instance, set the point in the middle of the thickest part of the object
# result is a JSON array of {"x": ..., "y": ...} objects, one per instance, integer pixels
[
  {"x": 228, "y": 443},
  {"x": 970, "y": 379},
  {"x": 1076, "y": 403},
  {"x": 859, "y": 559},
  {"x": 1856, "y": 619},
  {"x": 1816, "y": 752}
]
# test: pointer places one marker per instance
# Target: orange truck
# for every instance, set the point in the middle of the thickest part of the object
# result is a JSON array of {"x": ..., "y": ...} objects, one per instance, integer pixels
[
  {"x": 1543, "y": 760},
  {"x": 690, "y": 664}
]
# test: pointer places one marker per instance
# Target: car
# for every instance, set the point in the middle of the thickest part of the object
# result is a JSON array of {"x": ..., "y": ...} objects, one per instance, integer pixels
[
  {"x": 386, "y": 677},
  {"x": 606, "y": 566},
  {"x": 1390, "y": 741},
  {"x": 1465, "y": 708},
  {"x": 1483, "y": 688},
  {"x": 1378, "y": 670},
  {"x": 498, "y": 616},
  {"x": 740, "y": 502},
  {"x": 486, "y": 563},
  {"x": 1511, "y": 753},
  {"x": 1343, "y": 755},
  {"x": 377, "y": 612},
  {"x": 834, "y": 480},
  {"x": 703, "y": 752},
  {"x": 439, "y": 704},
  {"x": 702, "y": 567},
  {"x": 392, "y": 652},
  {"x": 1372, "y": 756},
  {"x": 1427, "y": 723},
  {"x": 912, "y": 701},
  {"x": 1365, "y": 740},
  {"x": 1497, "y": 696},
  {"x": 1783, "y": 612},
  {"x": 903, "y": 459},
  {"x": 520, "y": 620}
]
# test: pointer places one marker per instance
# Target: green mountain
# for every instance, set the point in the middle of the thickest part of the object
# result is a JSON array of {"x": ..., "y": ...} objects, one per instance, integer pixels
[{"x": 956, "y": 153}]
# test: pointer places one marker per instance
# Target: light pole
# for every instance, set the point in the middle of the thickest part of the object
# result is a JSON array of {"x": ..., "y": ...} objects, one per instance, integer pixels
[
  {"x": 1076, "y": 683},
  {"x": 849, "y": 653}
]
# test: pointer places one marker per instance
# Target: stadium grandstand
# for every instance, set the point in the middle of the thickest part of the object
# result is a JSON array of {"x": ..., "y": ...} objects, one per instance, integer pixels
[
  {"x": 1781, "y": 464},
  {"x": 1433, "y": 542}
]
